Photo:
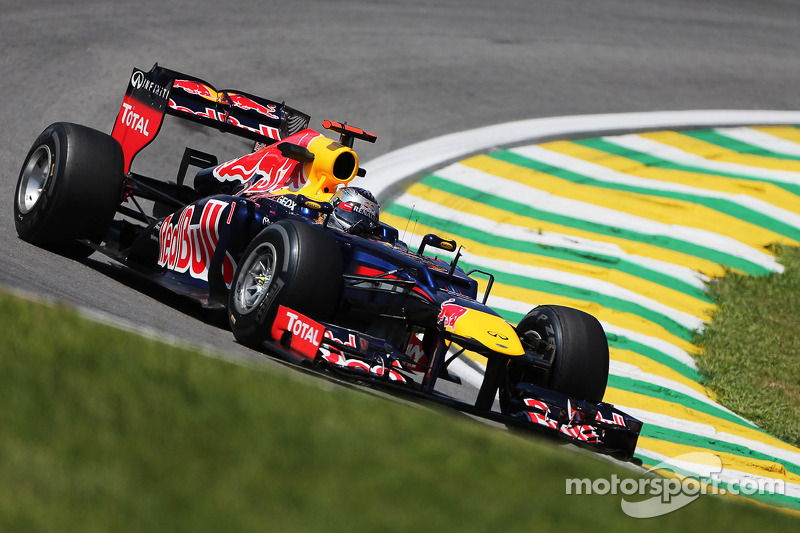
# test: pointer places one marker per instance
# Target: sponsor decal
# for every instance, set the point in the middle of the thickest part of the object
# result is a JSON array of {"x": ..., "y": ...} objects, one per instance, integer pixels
[
  {"x": 209, "y": 113},
  {"x": 367, "y": 209},
  {"x": 263, "y": 129},
  {"x": 306, "y": 333},
  {"x": 139, "y": 81},
  {"x": 616, "y": 419},
  {"x": 136, "y": 126},
  {"x": 285, "y": 201},
  {"x": 339, "y": 360},
  {"x": 352, "y": 340},
  {"x": 243, "y": 102},
  {"x": 131, "y": 119},
  {"x": 415, "y": 351},
  {"x": 199, "y": 89},
  {"x": 539, "y": 413},
  {"x": 239, "y": 101},
  {"x": 187, "y": 245},
  {"x": 266, "y": 170},
  {"x": 450, "y": 313}
]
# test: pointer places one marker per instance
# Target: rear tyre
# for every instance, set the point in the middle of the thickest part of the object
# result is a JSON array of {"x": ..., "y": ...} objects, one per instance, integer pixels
[
  {"x": 68, "y": 188},
  {"x": 289, "y": 263},
  {"x": 576, "y": 346}
]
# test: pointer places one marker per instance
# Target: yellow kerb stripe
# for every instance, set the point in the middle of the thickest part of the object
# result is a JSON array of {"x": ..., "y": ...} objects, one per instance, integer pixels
[
  {"x": 784, "y": 132},
  {"x": 709, "y": 268},
  {"x": 750, "y": 465},
  {"x": 623, "y": 398},
  {"x": 715, "y": 152},
  {"x": 664, "y": 210},
  {"x": 652, "y": 367},
  {"x": 766, "y": 192}
]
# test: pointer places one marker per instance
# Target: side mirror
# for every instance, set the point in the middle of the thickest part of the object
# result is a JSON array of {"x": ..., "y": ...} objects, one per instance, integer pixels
[
  {"x": 320, "y": 207},
  {"x": 437, "y": 242}
]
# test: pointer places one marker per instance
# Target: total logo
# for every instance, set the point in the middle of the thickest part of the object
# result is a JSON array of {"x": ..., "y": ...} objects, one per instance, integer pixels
[
  {"x": 305, "y": 334},
  {"x": 134, "y": 121},
  {"x": 308, "y": 332}
]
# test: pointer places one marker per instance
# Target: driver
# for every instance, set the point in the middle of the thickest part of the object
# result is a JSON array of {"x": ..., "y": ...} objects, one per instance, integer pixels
[{"x": 355, "y": 210}]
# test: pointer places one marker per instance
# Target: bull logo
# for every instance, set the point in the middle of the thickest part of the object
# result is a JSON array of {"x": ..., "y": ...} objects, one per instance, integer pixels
[{"x": 450, "y": 313}]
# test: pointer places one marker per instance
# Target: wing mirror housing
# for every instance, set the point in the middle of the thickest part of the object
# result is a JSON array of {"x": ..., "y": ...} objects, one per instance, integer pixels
[{"x": 437, "y": 242}]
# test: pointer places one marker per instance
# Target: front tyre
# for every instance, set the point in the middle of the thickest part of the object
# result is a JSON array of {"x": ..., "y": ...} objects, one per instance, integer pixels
[
  {"x": 290, "y": 263},
  {"x": 575, "y": 344},
  {"x": 68, "y": 188}
]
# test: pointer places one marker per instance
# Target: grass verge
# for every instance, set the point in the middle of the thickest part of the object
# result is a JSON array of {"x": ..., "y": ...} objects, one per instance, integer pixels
[
  {"x": 751, "y": 348},
  {"x": 102, "y": 430}
]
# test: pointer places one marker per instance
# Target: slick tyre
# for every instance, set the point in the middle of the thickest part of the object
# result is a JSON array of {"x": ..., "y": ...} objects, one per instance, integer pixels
[
  {"x": 289, "y": 263},
  {"x": 68, "y": 188},
  {"x": 575, "y": 344}
]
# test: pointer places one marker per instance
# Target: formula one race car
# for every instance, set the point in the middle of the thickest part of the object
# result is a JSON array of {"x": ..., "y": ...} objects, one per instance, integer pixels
[{"x": 302, "y": 264}]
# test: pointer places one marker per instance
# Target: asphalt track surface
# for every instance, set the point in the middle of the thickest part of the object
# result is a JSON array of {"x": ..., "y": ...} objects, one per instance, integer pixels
[{"x": 405, "y": 70}]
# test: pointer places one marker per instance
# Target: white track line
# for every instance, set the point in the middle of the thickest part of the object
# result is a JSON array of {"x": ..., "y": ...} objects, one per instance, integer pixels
[{"x": 386, "y": 170}]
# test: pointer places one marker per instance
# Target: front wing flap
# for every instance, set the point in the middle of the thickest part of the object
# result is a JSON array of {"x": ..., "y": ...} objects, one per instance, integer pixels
[{"x": 600, "y": 426}]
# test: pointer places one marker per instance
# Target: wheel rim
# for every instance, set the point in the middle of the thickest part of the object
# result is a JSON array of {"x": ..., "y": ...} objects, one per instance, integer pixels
[
  {"x": 531, "y": 342},
  {"x": 34, "y": 178},
  {"x": 256, "y": 278}
]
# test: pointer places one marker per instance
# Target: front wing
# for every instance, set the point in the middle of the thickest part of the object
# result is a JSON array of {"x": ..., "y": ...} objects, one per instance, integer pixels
[{"x": 354, "y": 356}]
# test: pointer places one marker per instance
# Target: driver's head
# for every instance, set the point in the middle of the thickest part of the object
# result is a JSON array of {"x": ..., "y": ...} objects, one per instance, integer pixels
[{"x": 355, "y": 210}]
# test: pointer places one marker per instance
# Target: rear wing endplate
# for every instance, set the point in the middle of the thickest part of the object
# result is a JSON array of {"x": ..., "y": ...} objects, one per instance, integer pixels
[{"x": 151, "y": 95}]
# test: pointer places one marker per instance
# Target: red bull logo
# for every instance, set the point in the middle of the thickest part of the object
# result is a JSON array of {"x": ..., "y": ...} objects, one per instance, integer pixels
[
  {"x": 270, "y": 172},
  {"x": 196, "y": 88},
  {"x": 243, "y": 102},
  {"x": 187, "y": 247},
  {"x": 268, "y": 169},
  {"x": 450, "y": 313}
]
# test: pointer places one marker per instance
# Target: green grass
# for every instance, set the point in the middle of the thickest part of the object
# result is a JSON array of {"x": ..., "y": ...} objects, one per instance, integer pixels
[
  {"x": 102, "y": 430},
  {"x": 752, "y": 347}
]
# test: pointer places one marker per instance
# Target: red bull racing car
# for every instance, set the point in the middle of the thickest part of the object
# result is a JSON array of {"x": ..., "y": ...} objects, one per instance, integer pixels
[{"x": 301, "y": 263}]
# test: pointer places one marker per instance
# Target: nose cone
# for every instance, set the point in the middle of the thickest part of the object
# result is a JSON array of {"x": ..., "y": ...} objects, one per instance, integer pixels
[{"x": 489, "y": 330}]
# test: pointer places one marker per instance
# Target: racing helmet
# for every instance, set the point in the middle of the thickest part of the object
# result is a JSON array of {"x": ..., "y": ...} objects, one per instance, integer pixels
[{"x": 355, "y": 210}]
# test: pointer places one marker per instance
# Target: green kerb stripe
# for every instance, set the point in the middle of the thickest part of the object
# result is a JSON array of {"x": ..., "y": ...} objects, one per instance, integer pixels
[
  {"x": 679, "y": 437},
  {"x": 652, "y": 161},
  {"x": 712, "y": 137},
  {"x": 624, "y": 343},
  {"x": 669, "y": 395},
  {"x": 534, "y": 214},
  {"x": 718, "y": 204},
  {"x": 569, "y": 254}
]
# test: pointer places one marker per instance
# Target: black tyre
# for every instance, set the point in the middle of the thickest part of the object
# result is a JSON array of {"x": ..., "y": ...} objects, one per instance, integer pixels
[
  {"x": 289, "y": 263},
  {"x": 69, "y": 188},
  {"x": 575, "y": 344}
]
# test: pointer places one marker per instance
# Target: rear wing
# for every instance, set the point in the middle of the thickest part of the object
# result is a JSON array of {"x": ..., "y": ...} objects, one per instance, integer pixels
[{"x": 151, "y": 95}]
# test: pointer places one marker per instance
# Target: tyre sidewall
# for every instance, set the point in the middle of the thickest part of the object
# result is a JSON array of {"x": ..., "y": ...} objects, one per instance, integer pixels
[
  {"x": 29, "y": 224},
  {"x": 248, "y": 327},
  {"x": 81, "y": 193},
  {"x": 307, "y": 278}
]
